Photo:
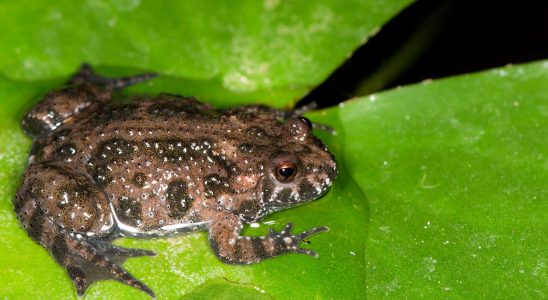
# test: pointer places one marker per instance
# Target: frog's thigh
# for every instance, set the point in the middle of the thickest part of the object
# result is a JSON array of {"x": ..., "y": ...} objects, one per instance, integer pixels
[{"x": 71, "y": 200}]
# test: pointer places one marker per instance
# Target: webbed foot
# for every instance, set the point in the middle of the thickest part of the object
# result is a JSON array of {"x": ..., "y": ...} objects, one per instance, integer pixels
[{"x": 88, "y": 261}]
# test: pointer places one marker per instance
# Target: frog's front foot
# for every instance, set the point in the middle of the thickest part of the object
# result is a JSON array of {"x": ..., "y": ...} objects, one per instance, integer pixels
[
  {"x": 231, "y": 247},
  {"x": 290, "y": 242}
]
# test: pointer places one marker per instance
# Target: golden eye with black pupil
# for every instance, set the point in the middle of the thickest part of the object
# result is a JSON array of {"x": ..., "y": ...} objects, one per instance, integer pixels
[
  {"x": 306, "y": 121},
  {"x": 285, "y": 172}
]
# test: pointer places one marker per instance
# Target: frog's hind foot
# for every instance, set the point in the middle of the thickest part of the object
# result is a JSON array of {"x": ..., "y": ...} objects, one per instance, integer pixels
[
  {"x": 86, "y": 75},
  {"x": 88, "y": 261}
]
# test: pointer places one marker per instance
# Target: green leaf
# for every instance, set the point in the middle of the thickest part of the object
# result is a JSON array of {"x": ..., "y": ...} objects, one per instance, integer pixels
[
  {"x": 269, "y": 51},
  {"x": 455, "y": 173},
  {"x": 255, "y": 52},
  {"x": 446, "y": 181}
]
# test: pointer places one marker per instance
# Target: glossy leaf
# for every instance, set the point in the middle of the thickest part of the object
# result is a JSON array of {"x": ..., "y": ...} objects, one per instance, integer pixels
[
  {"x": 455, "y": 173},
  {"x": 268, "y": 51},
  {"x": 446, "y": 181}
]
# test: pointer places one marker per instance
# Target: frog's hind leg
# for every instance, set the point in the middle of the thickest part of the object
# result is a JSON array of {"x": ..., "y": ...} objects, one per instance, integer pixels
[
  {"x": 65, "y": 213},
  {"x": 86, "y": 75},
  {"x": 85, "y": 92}
]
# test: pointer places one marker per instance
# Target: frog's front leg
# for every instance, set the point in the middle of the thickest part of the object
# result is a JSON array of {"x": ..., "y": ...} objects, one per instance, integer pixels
[
  {"x": 68, "y": 215},
  {"x": 231, "y": 247}
]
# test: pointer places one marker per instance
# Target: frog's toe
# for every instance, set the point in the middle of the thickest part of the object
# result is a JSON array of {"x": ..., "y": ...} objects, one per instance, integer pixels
[
  {"x": 120, "y": 254},
  {"x": 307, "y": 252}
]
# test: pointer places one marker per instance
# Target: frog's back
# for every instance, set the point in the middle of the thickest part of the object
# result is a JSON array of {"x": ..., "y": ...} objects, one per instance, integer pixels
[{"x": 158, "y": 158}]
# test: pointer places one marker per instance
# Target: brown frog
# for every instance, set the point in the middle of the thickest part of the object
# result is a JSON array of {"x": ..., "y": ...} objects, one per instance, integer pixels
[{"x": 157, "y": 166}]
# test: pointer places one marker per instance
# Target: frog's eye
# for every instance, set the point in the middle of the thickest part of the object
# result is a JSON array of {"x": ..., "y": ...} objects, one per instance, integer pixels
[
  {"x": 306, "y": 121},
  {"x": 285, "y": 171}
]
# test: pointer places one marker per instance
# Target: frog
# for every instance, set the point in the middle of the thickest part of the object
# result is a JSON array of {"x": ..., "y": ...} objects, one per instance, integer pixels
[{"x": 106, "y": 165}]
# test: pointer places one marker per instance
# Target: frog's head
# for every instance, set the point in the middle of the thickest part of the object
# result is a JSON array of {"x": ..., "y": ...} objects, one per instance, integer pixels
[{"x": 297, "y": 169}]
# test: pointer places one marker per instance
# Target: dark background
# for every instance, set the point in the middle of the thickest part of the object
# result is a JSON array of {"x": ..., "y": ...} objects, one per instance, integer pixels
[{"x": 454, "y": 37}]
